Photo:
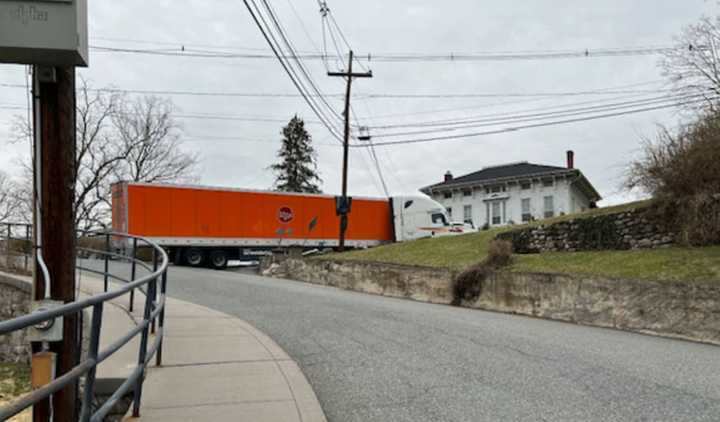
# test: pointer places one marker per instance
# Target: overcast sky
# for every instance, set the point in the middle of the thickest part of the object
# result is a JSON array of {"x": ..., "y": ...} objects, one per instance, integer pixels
[{"x": 237, "y": 153}]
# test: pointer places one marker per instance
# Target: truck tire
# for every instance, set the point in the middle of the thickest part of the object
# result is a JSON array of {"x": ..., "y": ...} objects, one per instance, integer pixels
[
  {"x": 218, "y": 259},
  {"x": 194, "y": 257}
]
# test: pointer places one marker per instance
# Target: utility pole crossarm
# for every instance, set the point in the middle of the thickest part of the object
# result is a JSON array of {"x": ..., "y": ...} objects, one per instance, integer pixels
[{"x": 352, "y": 75}]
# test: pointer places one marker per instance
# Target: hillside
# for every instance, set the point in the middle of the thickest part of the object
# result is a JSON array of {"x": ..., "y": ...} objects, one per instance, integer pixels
[{"x": 459, "y": 252}]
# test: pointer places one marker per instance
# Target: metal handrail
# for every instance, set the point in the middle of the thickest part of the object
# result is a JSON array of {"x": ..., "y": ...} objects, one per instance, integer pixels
[{"x": 154, "y": 310}]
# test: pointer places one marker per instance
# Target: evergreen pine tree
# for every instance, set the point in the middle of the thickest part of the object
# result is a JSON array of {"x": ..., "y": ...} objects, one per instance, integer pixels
[{"x": 297, "y": 169}]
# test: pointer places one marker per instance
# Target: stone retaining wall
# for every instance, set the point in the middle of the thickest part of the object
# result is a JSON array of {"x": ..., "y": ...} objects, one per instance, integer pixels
[
  {"x": 417, "y": 283},
  {"x": 680, "y": 310},
  {"x": 626, "y": 230},
  {"x": 15, "y": 296}
]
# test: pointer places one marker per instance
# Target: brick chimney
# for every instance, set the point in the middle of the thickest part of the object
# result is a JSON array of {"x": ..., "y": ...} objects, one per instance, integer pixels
[
  {"x": 570, "y": 159},
  {"x": 448, "y": 176}
]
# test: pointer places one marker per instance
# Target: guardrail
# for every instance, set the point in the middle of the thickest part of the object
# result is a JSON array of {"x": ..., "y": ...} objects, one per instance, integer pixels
[{"x": 154, "y": 310}]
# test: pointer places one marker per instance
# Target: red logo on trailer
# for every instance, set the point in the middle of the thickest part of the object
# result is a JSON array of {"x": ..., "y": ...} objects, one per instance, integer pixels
[{"x": 285, "y": 215}]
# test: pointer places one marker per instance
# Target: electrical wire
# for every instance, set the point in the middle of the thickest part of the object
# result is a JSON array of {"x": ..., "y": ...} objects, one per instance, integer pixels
[
  {"x": 449, "y": 126},
  {"x": 291, "y": 48},
  {"x": 366, "y": 96},
  {"x": 405, "y": 57},
  {"x": 374, "y": 158},
  {"x": 534, "y": 125},
  {"x": 513, "y": 102},
  {"x": 331, "y": 128}
]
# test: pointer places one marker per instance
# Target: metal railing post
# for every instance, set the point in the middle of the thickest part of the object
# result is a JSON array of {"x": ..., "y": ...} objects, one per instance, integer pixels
[
  {"x": 86, "y": 411},
  {"x": 86, "y": 366},
  {"x": 107, "y": 263},
  {"x": 143, "y": 349},
  {"x": 163, "y": 289},
  {"x": 27, "y": 242},
  {"x": 8, "y": 247},
  {"x": 133, "y": 270},
  {"x": 155, "y": 267}
]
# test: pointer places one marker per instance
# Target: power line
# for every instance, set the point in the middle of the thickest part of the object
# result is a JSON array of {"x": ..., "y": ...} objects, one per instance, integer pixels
[
  {"x": 374, "y": 158},
  {"x": 440, "y": 126},
  {"x": 366, "y": 96},
  {"x": 524, "y": 101},
  {"x": 331, "y": 128},
  {"x": 450, "y": 57},
  {"x": 203, "y": 138},
  {"x": 530, "y": 126},
  {"x": 291, "y": 48}
]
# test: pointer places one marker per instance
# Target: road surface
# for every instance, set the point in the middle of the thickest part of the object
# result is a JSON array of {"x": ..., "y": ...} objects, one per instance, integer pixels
[{"x": 373, "y": 358}]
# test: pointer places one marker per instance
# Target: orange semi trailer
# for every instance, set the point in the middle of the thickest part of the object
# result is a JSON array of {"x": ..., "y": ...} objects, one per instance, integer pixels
[{"x": 211, "y": 225}]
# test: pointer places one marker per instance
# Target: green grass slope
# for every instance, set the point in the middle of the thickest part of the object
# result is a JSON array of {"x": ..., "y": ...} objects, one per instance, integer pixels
[{"x": 459, "y": 252}]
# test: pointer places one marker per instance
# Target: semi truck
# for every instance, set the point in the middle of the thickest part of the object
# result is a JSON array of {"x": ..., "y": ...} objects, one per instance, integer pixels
[{"x": 209, "y": 226}]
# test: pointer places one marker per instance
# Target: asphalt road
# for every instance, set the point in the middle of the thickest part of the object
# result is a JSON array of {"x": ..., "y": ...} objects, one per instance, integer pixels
[{"x": 373, "y": 358}]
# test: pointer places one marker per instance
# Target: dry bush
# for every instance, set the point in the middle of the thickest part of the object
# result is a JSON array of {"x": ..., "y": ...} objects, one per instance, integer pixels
[
  {"x": 499, "y": 253},
  {"x": 468, "y": 285},
  {"x": 682, "y": 172}
]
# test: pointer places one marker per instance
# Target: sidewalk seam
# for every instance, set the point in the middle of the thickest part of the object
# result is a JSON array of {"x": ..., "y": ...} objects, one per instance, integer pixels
[
  {"x": 287, "y": 382},
  {"x": 226, "y": 362}
]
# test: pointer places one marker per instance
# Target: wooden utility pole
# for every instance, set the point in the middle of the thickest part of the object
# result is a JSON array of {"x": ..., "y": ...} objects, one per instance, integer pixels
[
  {"x": 56, "y": 90},
  {"x": 343, "y": 207}
]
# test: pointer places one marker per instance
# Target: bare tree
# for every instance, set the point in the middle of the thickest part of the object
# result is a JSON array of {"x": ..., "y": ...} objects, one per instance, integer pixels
[
  {"x": 98, "y": 155},
  {"x": 10, "y": 199},
  {"x": 118, "y": 138},
  {"x": 151, "y": 137},
  {"x": 693, "y": 66}
]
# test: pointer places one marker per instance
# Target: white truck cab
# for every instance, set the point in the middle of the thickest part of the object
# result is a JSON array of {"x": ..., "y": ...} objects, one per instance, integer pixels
[{"x": 415, "y": 217}]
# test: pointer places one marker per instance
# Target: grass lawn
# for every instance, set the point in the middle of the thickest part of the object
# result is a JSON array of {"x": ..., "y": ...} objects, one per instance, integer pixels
[
  {"x": 671, "y": 264},
  {"x": 455, "y": 252},
  {"x": 14, "y": 382},
  {"x": 459, "y": 252}
]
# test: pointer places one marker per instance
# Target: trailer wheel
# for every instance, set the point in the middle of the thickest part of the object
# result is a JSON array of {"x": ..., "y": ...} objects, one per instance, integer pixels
[
  {"x": 194, "y": 257},
  {"x": 218, "y": 259}
]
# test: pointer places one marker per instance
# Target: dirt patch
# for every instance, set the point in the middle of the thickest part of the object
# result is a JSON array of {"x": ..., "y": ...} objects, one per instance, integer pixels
[{"x": 14, "y": 383}]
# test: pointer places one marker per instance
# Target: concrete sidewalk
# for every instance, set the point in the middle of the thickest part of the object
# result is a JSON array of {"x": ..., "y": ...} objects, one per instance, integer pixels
[{"x": 215, "y": 367}]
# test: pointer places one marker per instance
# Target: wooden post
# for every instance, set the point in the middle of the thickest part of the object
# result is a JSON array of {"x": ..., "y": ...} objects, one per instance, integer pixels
[
  {"x": 346, "y": 142},
  {"x": 57, "y": 215}
]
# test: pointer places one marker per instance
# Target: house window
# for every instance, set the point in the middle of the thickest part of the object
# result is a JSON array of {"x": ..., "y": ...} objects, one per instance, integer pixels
[
  {"x": 525, "y": 185},
  {"x": 496, "y": 189},
  {"x": 526, "y": 213},
  {"x": 447, "y": 195},
  {"x": 548, "y": 183},
  {"x": 496, "y": 217},
  {"x": 467, "y": 192},
  {"x": 449, "y": 211},
  {"x": 467, "y": 213},
  {"x": 549, "y": 206}
]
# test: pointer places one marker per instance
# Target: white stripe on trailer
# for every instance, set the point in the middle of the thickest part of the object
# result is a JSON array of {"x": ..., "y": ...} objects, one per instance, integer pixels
[{"x": 262, "y": 242}]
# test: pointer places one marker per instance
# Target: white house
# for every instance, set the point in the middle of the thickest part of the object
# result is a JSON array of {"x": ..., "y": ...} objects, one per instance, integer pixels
[{"x": 515, "y": 193}]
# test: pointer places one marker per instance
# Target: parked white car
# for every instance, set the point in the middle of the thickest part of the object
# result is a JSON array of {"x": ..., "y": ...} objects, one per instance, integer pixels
[{"x": 459, "y": 227}]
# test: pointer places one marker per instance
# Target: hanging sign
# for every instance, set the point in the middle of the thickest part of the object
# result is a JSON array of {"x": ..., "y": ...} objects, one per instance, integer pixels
[{"x": 44, "y": 32}]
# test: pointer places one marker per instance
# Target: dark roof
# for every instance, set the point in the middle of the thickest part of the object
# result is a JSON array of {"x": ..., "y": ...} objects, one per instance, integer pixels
[
  {"x": 510, "y": 171},
  {"x": 502, "y": 172}
]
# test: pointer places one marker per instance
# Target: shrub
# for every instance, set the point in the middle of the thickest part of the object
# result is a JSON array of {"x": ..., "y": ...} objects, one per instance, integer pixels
[
  {"x": 499, "y": 254},
  {"x": 682, "y": 172},
  {"x": 468, "y": 285}
]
